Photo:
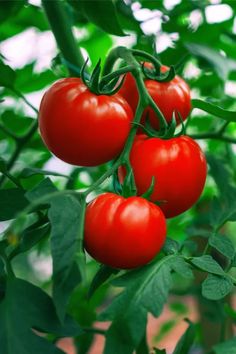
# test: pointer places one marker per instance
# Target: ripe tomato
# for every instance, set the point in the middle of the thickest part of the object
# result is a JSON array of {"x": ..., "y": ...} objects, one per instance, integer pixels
[
  {"x": 169, "y": 97},
  {"x": 178, "y": 166},
  {"x": 123, "y": 233},
  {"x": 82, "y": 128}
]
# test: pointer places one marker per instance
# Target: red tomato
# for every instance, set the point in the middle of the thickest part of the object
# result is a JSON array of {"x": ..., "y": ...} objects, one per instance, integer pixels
[
  {"x": 169, "y": 97},
  {"x": 123, "y": 233},
  {"x": 82, "y": 128},
  {"x": 178, "y": 166}
]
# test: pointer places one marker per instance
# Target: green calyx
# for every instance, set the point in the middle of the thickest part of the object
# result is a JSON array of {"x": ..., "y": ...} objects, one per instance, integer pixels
[
  {"x": 101, "y": 86},
  {"x": 154, "y": 73},
  {"x": 167, "y": 133}
]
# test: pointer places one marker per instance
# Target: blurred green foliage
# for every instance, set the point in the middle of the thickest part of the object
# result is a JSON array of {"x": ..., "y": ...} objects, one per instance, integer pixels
[{"x": 205, "y": 54}]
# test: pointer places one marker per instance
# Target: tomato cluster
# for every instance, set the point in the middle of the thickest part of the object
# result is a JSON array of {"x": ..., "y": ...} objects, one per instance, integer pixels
[{"x": 86, "y": 129}]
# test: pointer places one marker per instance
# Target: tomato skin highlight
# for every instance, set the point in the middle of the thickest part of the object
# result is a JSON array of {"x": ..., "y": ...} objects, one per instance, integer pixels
[
  {"x": 82, "y": 128},
  {"x": 178, "y": 166},
  {"x": 169, "y": 97},
  {"x": 123, "y": 232}
]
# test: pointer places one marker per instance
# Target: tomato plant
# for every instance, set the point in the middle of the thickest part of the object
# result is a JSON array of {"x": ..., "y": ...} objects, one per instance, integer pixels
[
  {"x": 171, "y": 97},
  {"x": 92, "y": 247},
  {"x": 80, "y": 127},
  {"x": 123, "y": 233},
  {"x": 178, "y": 167}
]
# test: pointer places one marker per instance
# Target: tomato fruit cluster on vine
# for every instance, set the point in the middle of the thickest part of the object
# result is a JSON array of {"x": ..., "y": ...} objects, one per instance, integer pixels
[{"x": 86, "y": 129}]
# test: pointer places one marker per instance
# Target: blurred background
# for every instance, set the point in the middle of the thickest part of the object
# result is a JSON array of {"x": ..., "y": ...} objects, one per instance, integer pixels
[{"x": 199, "y": 34}]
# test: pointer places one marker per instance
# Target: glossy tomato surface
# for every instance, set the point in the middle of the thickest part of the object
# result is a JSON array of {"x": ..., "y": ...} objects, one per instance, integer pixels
[
  {"x": 123, "y": 232},
  {"x": 178, "y": 166},
  {"x": 169, "y": 96},
  {"x": 80, "y": 127}
]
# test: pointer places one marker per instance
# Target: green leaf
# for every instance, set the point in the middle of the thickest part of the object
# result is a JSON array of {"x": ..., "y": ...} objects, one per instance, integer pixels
[
  {"x": 64, "y": 231},
  {"x": 28, "y": 172},
  {"x": 102, "y": 275},
  {"x": 229, "y": 116},
  {"x": 143, "y": 346},
  {"x": 208, "y": 264},
  {"x": 12, "y": 201},
  {"x": 182, "y": 268},
  {"x": 7, "y": 77},
  {"x": 222, "y": 175},
  {"x": 29, "y": 16},
  {"x": 215, "y": 287},
  {"x": 229, "y": 311},
  {"x": 223, "y": 245},
  {"x": 15, "y": 122},
  {"x": 126, "y": 17},
  {"x": 222, "y": 210},
  {"x": 170, "y": 246},
  {"x": 103, "y": 14},
  {"x": 129, "y": 310},
  {"x": 43, "y": 188},
  {"x": 221, "y": 64},
  {"x": 186, "y": 341},
  {"x": 30, "y": 237},
  {"x": 10, "y": 8},
  {"x": 28, "y": 81},
  {"x": 26, "y": 307},
  {"x": 227, "y": 347}
]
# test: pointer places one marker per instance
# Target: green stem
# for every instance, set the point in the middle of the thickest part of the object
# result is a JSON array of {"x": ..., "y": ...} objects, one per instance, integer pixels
[
  {"x": 12, "y": 178},
  {"x": 149, "y": 57},
  {"x": 8, "y": 132},
  {"x": 20, "y": 143},
  {"x": 110, "y": 61},
  {"x": 19, "y": 94},
  {"x": 61, "y": 28},
  {"x": 215, "y": 136},
  {"x": 116, "y": 73}
]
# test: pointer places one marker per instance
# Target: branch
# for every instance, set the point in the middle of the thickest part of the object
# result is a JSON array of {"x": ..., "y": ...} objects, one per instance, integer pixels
[
  {"x": 61, "y": 28},
  {"x": 215, "y": 136}
]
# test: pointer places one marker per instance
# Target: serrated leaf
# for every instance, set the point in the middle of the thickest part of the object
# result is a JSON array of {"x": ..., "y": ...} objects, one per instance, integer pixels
[
  {"x": 101, "y": 13},
  {"x": 26, "y": 307},
  {"x": 132, "y": 305},
  {"x": 229, "y": 116},
  {"x": 182, "y": 268},
  {"x": 186, "y": 341},
  {"x": 208, "y": 264},
  {"x": 215, "y": 287},
  {"x": 12, "y": 201},
  {"x": 64, "y": 231},
  {"x": 227, "y": 347},
  {"x": 223, "y": 245}
]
